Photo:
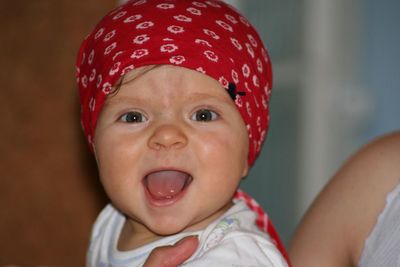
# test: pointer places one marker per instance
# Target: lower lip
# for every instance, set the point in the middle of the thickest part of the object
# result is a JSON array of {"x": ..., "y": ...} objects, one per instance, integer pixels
[{"x": 166, "y": 201}]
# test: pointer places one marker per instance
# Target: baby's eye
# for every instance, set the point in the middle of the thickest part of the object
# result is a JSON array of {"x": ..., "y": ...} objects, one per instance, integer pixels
[
  {"x": 133, "y": 117},
  {"x": 204, "y": 115}
]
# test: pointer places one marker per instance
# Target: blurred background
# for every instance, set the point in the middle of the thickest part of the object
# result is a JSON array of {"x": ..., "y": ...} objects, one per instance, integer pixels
[{"x": 336, "y": 86}]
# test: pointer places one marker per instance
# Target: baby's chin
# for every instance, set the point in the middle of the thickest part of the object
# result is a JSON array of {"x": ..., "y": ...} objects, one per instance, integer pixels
[{"x": 172, "y": 226}]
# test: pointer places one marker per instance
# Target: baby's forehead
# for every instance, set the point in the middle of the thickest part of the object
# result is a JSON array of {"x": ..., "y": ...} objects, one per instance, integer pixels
[
  {"x": 163, "y": 80},
  {"x": 170, "y": 74}
]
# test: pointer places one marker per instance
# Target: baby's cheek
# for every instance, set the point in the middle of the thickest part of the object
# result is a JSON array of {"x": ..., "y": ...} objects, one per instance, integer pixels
[
  {"x": 110, "y": 159},
  {"x": 226, "y": 153}
]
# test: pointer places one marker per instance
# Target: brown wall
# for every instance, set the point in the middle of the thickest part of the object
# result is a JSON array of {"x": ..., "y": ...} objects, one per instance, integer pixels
[{"x": 49, "y": 193}]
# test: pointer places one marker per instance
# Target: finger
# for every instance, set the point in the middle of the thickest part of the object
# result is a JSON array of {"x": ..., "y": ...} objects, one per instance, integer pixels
[{"x": 172, "y": 256}]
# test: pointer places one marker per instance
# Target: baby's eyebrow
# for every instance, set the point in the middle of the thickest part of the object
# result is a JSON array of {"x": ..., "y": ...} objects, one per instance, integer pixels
[
  {"x": 205, "y": 96},
  {"x": 115, "y": 101}
]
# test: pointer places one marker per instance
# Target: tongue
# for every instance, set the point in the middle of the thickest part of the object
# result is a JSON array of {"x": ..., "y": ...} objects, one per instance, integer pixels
[{"x": 166, "y": 184}]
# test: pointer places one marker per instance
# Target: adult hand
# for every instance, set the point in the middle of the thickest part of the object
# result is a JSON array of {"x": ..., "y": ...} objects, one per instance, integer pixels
[{"x": 172, "y": 256}]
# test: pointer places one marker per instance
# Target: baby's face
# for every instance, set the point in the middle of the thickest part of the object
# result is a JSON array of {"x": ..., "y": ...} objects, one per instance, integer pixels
[{"x": 171, "y": 148}]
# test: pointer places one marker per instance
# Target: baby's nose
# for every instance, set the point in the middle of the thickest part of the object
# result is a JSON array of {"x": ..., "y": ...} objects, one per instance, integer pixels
[{"x": 168, "y": 136}]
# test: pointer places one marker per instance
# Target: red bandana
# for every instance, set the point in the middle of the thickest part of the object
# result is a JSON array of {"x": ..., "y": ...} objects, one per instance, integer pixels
[{"x": 208, "y": 36}]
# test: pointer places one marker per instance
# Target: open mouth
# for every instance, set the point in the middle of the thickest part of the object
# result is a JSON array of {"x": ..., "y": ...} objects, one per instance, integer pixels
[{"x": 166, "y": 185}]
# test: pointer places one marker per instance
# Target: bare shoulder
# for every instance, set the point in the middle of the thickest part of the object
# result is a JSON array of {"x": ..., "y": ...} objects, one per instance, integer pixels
[
  {"x": 333, "y": 231},
  {"x": 383, "y": 152}
]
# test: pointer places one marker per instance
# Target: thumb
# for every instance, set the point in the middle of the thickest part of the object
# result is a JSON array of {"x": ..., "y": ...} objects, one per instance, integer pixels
[{"x": 172, "y": 256}]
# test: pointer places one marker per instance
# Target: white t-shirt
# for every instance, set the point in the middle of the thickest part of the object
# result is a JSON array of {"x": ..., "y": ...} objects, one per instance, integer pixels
[
  {"x": 382, "y": 247},
  {"x": 231, "y": 240}
]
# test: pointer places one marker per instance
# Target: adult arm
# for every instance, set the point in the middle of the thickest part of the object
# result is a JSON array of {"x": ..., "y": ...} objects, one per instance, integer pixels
[{"x": 333, "y": 231}]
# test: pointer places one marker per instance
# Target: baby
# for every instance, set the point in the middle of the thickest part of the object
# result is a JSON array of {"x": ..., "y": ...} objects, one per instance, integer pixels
[{"x": 174, "y": 99}]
